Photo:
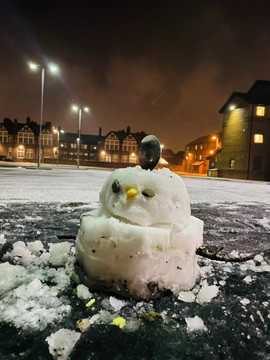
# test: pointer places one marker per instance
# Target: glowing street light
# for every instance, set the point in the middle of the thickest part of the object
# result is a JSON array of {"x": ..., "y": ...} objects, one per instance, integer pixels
[
  {"x": 53, "y": 69},
  {"x": 79, "y": 109}
]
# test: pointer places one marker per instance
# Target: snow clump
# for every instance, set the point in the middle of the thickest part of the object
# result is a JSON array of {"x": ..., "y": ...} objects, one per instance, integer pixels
[
  {"x": 59, "y": 253},
  {"x": 2, "y": 239},
  {"x": 83, "y": 293},
  {"x": 62, "y": 342},
  {"x": 207, "y": 293},
  {"x": 186, "y": 296},
  {"x": 195, "y": 324}
]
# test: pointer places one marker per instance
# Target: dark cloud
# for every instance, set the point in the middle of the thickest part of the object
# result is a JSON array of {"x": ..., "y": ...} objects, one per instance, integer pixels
[{"x": 165, "y": 67}]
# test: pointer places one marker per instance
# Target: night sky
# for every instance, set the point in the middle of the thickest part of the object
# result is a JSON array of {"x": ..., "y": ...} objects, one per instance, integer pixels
[{"x": 163, "y": 67}]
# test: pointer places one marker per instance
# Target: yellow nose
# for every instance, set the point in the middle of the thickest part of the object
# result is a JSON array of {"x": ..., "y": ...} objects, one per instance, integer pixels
[{"x": 131, "y": 192}]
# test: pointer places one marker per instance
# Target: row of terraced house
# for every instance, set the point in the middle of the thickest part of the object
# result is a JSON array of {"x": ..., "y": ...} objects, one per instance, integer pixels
[{"x": 20, "y": 142}]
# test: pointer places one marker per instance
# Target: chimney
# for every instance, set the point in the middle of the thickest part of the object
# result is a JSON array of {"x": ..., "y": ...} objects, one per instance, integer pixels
[
  {"x": 128, "y": 130},
  {"x": 100, "y": 131}
]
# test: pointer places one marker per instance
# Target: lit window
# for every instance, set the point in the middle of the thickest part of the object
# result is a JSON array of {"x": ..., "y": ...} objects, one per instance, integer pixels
[
  {"x": 231, "y": 163},
  {"x": 115, "y": 158},
  {"x": 201, "y": 147},
  {"x": 20, "y": 153},
  {"x": 200, "y": 157},
  {"x": 196, "y": 147},
  {"x": 258, "y": 138},
  {"x": 260, "y": 110}
]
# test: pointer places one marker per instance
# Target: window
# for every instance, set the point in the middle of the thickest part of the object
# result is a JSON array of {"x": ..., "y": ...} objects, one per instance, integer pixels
[
  {"x": 200, "y": 157},
  {"x": 132, "y": 159},
  {"x": 115, "y": 158},
  {"x": 112, "y": 142},
  {"x": 25, "y": 136},
  {"x": 46, "y": 138},
  {"x": 196, "y": 147},
  {"x": 20, "y": 153},
  {"x": 85, "y": 154},
  {"x": 29, "y": 153},
  {"x": 232, "y": 163},
  {"x": 258, "y": 138},
  {"x": 10, "y": 152},
  {"x": 201, "y": 147},
  {"x": 84, "y": 146},
  {"x": 73, "y": 146},
  {"x": 107, "y": 158},
  {"x": 129, "y": 144},
  {"x": 257, "y": 163},
  {"x": 260, "y": 110},
  {"x": 124, "y": 158}
]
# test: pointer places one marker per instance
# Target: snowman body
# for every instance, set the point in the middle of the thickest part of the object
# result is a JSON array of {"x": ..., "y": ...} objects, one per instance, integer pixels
[{"x": 142, "y": 240}]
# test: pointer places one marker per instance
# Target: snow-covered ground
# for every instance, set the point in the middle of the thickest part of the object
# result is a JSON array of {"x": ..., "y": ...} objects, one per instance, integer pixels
[
  {"x": 61, "y": 185},
  {"x": 44, "y": 314}
]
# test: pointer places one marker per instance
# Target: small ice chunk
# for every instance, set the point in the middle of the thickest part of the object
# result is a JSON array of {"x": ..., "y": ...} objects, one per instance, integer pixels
[
  {"x": 244, "y": 301},
  {"x": 265, "y": 303},
  {"x": 2, "y": 239},
  {"x": 20, "y": 251},
  {"x": 34, "y": 287},
  {"x": 35, "y": 246},
  {"x": 248, "y": 279},
  {"x": 258, "y": 258},
  {"x": 207, "y": 293},
  {"x": 62, "y": 342},
  {"x": 116, "y": 304},
  {"x": 222, "y": 282},
  {"x": 95, "y": 318},
  {"x": 195, "y": 324},
  {"x": 59, "y": 253},
  {"x": 83, "y": 292},
  {"x": 186, "y": 296}
]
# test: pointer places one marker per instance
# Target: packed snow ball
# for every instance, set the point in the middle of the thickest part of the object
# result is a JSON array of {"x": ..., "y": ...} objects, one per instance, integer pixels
[{"x": 142, "y": 239}]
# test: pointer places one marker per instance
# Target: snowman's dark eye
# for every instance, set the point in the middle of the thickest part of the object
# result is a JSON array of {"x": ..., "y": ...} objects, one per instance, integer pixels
[
  {"x": 148, "y": 193},
  {"x": 115, "y": 186}
]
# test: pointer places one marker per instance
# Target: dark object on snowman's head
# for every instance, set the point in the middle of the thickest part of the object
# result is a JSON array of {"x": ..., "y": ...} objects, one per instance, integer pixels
[{"x": 149, "y": 152}]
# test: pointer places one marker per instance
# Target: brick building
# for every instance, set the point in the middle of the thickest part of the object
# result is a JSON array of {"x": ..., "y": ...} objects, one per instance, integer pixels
[
  {"x": 19, "y": 141},
  {"x": 197, "y": 153},
  {"x": 245, "y": 152}
]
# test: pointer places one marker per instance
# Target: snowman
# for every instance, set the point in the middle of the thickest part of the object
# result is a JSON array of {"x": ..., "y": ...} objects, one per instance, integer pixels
[{"x": 142, "y": 240}]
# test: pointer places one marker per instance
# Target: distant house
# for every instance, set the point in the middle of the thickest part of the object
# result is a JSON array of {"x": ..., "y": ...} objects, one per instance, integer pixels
[
  {"x": 197, "y": 153},
  {"x": 121, "y": 147},
  {"x": 90, "y": 147},
  {"x": 245, "y": 152},
  {"x": 19, "y": 141}
]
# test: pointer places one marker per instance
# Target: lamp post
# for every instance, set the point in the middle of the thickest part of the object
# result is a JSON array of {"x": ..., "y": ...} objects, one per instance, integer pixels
[
  {"x": 79, "y": 109},
  {"x": 58, "y": 132},
  {"x": 53, "y": 69}
]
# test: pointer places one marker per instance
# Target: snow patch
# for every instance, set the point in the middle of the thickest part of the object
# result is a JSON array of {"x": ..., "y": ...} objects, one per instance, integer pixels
[
  {"x": 195, "y": 324},
  {"x": 83, "y": 292},
  {"x": 59, "y": 253},
  {"x": 186, "y": 296},
  {"x": 116, "y": 304}
]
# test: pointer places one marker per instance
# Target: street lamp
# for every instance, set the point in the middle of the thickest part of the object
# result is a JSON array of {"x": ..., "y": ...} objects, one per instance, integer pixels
[
  {"x": 79, "y": 109},
  {"x": 58, "y": 132},
  {"x": 53, "y": 69}
]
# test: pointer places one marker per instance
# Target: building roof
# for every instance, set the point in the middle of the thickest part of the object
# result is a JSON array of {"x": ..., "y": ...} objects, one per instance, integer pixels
[
  {"x": 122, "y": 134},
  {"x": 85, "y": 139},
  {"x": 259, "y": 94},
  {"x": 203, "y": 139},
  {"x": 13, "y": 127}
]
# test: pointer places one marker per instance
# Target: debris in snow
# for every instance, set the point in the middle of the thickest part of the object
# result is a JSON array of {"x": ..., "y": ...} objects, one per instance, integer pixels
[
  {"x": 119, "y": 321},
  {"x": 260, "y": 316},
  {"x": 59, "y": 253},
  {"x": 62, "y": 342},
  {"x": 195, "y": 324},
  {"x": 90, "y": 303},
  {"x": 265, "y": 303},
  {"x": 222, "y": 282},
  {"x": 83, "y": 292},
  {"x": 186, "y": 296},
  {"x": 83, "y": 325},
  {"x": 207, "y": 293},
  {"x": 116, "y": 304},
  {"x": 2, "y": 239},
  {"x": 244, "y": 301},
  {"x": 151, "y": 316}
]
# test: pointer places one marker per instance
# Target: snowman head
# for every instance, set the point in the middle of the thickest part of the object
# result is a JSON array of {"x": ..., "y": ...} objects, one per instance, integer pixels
[{"x": 145, "y": 197}]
